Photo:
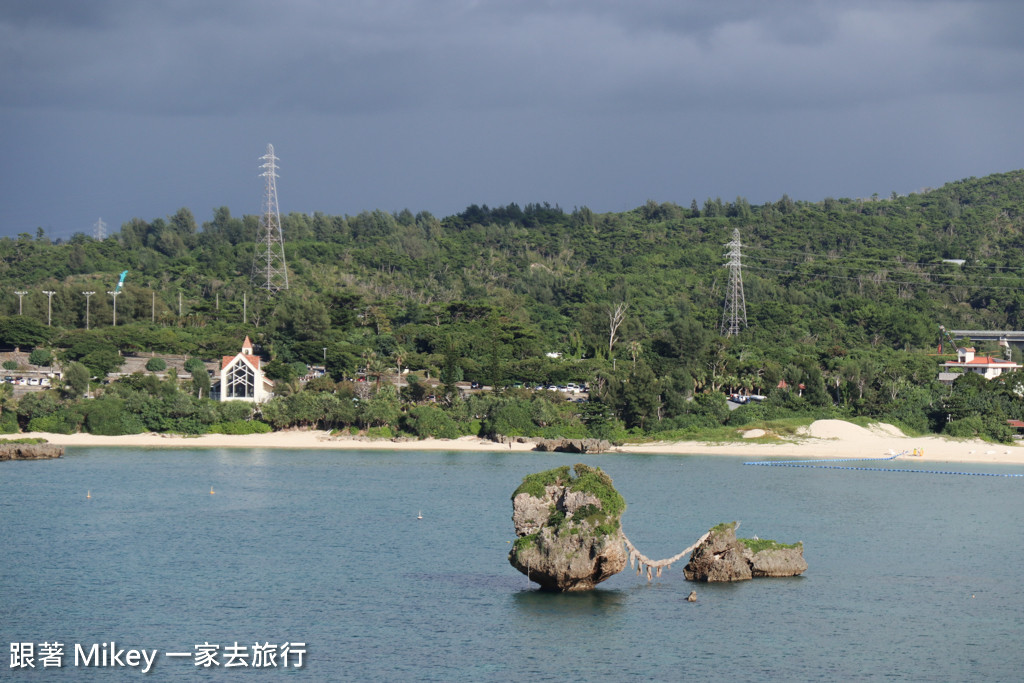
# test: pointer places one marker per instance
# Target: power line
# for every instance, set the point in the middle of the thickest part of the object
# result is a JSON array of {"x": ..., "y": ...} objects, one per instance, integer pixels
[
  {"x": 833, "y": 264},
  {"x": 922, "y": 264},
  {"x": 938, "y": 285}
]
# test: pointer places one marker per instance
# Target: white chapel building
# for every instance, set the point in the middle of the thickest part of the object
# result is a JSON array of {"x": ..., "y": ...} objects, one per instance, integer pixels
[{"x": 241, "y": 378}]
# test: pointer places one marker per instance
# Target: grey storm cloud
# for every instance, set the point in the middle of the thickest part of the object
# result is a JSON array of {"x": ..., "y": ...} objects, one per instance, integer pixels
[
  {"x": 122, "y": 108},
  {"x": 338, "y": 57}
]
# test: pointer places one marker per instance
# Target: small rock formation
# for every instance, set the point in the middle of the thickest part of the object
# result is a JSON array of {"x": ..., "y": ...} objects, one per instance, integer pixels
[
  {"x": 723, "y": 557},
  {"x": 569, "y": 528},
  {"x": 718, "y": 558},
  {"x": 692, "y": 597},
  {"x": 574, "y": 445},
  {"x": 11, "y": 450},
  {"x": 781, "y": 560}
]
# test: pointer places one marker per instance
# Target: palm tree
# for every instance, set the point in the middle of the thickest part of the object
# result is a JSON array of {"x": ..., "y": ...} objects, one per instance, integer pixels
[
  {"x": 635, "y": 349},
  {"x": 375, "y": 366},
  {"x": 399, "y": 355}
]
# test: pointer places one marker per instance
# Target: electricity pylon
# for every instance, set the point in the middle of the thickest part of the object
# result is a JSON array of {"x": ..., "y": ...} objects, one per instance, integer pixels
[
  {"x": 734, "y": 315},
  {"x": 269, "y": 271}
]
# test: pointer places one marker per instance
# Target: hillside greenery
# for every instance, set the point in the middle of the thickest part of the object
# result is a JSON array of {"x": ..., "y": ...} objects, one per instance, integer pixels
[{"x": 845, "y": 298}]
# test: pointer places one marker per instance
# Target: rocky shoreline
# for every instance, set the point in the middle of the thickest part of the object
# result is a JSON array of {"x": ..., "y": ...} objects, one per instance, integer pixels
[
  {"x": 30, "y": 451},
  {"x": 559, "y": 445}
]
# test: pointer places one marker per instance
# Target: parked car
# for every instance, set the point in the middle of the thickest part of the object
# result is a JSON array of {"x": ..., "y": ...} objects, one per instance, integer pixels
[{"x": 33, "y": 381}]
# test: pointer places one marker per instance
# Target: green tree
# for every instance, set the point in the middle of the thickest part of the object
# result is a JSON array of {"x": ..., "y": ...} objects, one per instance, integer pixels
[
  {"x": 107, "y": 415},
  {"x": 201, "y": 383},
  {"x": 23, "y": 332},
  {"x": 76, "y": 380},
  {"x": 641, "y": 397},
  {"x": 430, "y": 420},
  {"x": 102, "y": 362},
  {"x": 40, "y": 357},
  {"x": 8, "y": 417},
  {"x": 383, "y": 408}
]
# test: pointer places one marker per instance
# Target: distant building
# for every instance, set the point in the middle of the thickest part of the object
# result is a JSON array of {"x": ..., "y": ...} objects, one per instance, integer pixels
[
  {"x": 241, "y": 378},
  {"x": 986, "y": 366}
]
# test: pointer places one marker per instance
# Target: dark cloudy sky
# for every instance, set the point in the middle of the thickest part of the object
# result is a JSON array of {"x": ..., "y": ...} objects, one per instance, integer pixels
[{"x": 124, "y": 108}]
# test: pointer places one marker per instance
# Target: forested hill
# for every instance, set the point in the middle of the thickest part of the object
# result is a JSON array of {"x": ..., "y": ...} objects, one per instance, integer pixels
[{"x": 501, "y": 287}]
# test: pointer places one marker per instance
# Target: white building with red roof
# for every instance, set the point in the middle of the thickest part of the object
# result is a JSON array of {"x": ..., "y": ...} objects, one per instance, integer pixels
[
  {"x": 966, "y": 361},
  {"x": 241, "y": 378}
]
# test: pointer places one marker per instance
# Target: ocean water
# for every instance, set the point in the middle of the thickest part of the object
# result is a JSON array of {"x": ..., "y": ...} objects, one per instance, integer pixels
[{"x": 911, "y": 576}]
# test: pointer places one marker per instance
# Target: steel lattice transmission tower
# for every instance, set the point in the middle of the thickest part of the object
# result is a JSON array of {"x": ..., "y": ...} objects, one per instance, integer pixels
[
  {"x": 734, "y": 315},
  {"x": 269, "y": 271}
]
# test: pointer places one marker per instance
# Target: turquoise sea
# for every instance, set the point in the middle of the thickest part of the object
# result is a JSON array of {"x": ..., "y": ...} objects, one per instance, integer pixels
[{"x": 911, "y": 576}]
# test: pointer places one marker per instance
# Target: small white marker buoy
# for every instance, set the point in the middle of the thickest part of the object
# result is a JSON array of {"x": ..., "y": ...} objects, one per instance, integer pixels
[
  {"x": 419, "y": 515},
  {"x": 211, "y": 490},
  {"x": 88, "y": 494}
]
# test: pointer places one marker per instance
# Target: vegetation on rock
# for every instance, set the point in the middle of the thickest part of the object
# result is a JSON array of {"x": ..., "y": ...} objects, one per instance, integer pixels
[
  {"x": 756, "y": 545},
  {"x": 534, "y": 484}
]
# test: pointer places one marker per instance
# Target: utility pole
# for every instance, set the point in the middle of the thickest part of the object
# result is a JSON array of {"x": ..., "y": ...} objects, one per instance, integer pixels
[
  {"x": 269, "y": 271},
  {"x": 114, "y": 294},
  {"x": 152, "y": 309},
  {"x": 734, "y": 315},
  {"x": 245, "y": 309},
  {"x": 179, "y": 303},
  {"x": 87, "y": 295},
  {"x": 49, "y": 306},
  {"x": 20, "y": 294}
]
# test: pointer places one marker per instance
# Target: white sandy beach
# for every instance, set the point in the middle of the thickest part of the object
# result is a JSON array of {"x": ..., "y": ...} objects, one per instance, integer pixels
[
  {"x": 823, "y": 439},
  {"x": 839, "y": 439}
]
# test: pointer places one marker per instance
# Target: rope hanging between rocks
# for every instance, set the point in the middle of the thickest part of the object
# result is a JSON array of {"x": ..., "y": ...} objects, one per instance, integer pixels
[{"x": 641, "y": 560}]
